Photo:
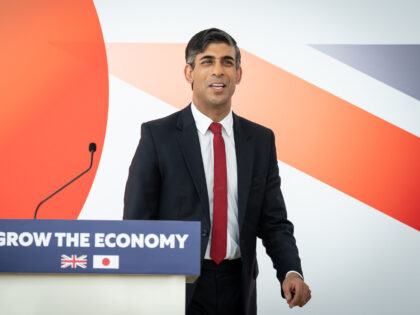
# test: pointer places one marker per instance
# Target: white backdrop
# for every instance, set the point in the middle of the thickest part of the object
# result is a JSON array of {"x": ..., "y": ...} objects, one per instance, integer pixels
[{"x": 356, "y": 259}]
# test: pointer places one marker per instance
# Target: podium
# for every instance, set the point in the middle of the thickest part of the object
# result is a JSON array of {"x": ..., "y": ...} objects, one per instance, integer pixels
[{"x": 97, "y": 267}]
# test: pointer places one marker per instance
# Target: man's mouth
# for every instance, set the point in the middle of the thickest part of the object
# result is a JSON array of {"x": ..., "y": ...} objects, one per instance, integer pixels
[{"x": 217, "y": 87}]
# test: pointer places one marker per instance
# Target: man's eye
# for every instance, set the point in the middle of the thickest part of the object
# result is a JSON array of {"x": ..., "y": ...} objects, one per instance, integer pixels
[
  {"x": 228, "y": 62},
  {"x": 207, "y": 61}
]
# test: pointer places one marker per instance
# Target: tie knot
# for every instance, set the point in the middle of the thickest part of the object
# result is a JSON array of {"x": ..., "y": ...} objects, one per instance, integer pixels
[{"x": 216, "y": 128}]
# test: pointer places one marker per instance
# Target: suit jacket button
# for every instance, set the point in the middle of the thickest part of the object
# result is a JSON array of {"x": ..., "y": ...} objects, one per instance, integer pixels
[{"x": 204, "y": 233}]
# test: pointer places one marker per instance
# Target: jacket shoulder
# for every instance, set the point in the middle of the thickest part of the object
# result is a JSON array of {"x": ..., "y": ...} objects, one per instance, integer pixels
[
  {"x": 253, "y": 127},
  {"x": 164, "y": 122}
]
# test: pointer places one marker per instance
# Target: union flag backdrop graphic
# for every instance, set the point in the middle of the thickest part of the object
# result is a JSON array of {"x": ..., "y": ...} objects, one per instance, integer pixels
[{"x": 337, "y": 83}]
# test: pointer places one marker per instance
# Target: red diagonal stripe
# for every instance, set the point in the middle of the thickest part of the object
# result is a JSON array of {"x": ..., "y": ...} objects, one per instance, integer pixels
[{"x": 316, "y": 132}]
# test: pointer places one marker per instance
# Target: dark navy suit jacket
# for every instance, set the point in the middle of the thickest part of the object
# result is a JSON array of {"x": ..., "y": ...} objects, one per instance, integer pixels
[{"x": 167, "y": 182}]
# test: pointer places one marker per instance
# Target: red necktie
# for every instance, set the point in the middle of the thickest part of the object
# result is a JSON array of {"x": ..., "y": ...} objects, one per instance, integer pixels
[{"x": 219, "y": 232}]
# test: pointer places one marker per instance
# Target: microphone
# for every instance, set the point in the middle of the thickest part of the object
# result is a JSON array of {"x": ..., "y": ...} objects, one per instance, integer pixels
[{"x": 92, "y": 149}]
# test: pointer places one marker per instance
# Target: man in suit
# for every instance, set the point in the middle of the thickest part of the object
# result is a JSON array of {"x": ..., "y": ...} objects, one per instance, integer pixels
[{"x": 207, "y": 164}]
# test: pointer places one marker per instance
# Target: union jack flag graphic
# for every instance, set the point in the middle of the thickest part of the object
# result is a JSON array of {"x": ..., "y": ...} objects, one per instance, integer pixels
[{"x": 73, "y": 261}]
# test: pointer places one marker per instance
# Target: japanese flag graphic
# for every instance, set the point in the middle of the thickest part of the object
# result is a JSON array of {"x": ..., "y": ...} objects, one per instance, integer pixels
[{"x": 106, "y": 261}]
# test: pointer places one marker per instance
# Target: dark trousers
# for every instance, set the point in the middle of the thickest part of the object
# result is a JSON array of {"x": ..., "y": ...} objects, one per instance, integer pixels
[{"x": 218, "y": 289}]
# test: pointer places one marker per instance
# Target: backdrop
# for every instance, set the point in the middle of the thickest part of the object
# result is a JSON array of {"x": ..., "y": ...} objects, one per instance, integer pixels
[{"x": 338, "y": 82}]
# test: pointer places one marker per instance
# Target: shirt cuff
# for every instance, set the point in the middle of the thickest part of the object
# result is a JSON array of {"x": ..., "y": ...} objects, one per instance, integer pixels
[{"x": 295, "y": 273}]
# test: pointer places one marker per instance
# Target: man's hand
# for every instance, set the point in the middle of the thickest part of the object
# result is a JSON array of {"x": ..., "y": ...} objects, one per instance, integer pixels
[{"x": 295, "y": 290}]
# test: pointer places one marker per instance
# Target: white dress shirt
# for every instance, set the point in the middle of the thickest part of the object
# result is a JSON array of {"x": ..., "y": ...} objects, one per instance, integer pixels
[{"x": 205, "y": 137}]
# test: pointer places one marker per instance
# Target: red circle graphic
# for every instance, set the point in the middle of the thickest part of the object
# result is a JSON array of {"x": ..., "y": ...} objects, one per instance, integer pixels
[{"x": 54, "y": 102}]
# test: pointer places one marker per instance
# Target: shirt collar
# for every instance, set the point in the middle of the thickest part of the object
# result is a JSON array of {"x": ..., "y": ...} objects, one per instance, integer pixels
[{"x": 203, "y": 122}]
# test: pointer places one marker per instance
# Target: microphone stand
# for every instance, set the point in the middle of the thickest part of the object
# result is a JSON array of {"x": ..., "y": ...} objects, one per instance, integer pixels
[{"x": 92, "y": 149}]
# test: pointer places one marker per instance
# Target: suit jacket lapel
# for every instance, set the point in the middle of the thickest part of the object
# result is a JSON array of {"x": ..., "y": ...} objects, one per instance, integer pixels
[
  {"x": 190, "y": 146},
  {"x": 244, "y": 160}
]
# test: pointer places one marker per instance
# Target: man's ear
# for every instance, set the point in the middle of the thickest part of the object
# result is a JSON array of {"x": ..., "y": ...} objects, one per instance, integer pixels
[
  {"x": 188, "y": 72},
  {"x": 238, "y": 75}
]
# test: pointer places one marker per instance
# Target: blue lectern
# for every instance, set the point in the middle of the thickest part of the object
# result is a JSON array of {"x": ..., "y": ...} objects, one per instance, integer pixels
[{"x": 97, "y": 267}]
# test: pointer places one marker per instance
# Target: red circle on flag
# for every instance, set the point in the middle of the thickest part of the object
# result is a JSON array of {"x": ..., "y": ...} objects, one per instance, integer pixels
[{"x": 105, "y": 261}]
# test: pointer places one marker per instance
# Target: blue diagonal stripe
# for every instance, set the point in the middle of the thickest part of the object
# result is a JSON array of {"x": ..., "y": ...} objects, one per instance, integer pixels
[{"x": 395, "y": 65}]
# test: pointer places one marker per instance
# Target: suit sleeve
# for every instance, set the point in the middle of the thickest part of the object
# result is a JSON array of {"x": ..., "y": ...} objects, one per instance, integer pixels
[
  {"x": 274, "y": 229},
  {"x": 141, "y": 199}
]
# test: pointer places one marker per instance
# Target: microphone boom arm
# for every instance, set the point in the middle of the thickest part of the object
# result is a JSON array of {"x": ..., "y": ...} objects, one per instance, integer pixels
[{"x": 92, "y": 151}]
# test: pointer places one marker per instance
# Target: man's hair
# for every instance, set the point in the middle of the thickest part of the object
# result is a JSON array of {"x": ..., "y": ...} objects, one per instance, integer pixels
[{"x": 199, "y": 42}]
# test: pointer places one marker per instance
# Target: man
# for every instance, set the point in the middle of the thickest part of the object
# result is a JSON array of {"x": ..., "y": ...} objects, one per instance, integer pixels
[{"x": 207, "y": 164}]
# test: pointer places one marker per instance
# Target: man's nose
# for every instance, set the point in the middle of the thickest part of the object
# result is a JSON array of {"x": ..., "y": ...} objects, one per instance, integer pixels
[{"x": 218, "y": 69}]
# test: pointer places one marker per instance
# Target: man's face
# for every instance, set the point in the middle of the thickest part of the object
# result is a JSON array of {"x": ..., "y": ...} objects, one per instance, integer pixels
[{"x": 214, "y": 76}]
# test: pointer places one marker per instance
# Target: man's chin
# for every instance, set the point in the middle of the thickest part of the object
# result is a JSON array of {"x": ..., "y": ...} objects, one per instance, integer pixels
[{"x": 218, "y": 101}]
